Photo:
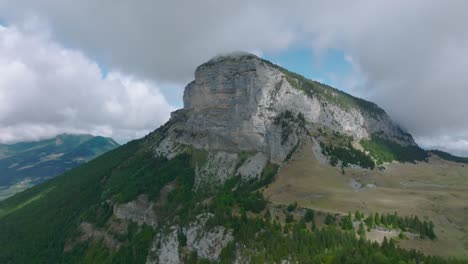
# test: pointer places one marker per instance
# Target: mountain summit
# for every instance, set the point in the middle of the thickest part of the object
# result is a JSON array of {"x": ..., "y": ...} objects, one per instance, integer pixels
[
  {"x": 240, "y": 102},
  {"x": 192, "y": 191}
]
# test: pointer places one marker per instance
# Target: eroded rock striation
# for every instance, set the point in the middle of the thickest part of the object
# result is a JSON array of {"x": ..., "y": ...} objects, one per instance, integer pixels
[{"x": 238, "y": 103}]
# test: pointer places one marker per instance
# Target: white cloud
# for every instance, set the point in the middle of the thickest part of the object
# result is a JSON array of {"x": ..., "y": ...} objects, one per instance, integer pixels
[
  {"x": 162, "y": 40},
  {"x": 410, "y": 56},
  {"x": 455, "y": 145},
  {"x": 46, "y": 89}
]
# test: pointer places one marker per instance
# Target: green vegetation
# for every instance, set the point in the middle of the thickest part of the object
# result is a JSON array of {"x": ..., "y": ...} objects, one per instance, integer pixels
[
  {"x": 449, "y": 157},
  {"x": 37, "y": 232},
  {"x": 270, "y": 242},
  {"x": 347, "y": 155},
  {"x": 329, "y": 94},
  {"x": 358, "y": 216},
  {"x": 29, "y": 163},
  {"x": 287, "y": 120},
  {"x": 268, "y": 174},
  {"x": 309, "y": 215},
  {"x": 42, "y": 219},
  {"x": 340, "y": 148},
  {"x": 46, "y": 217},
  {"x": 362, "y": 231},
  {"x": 292, "y": 207},
  {"x": 346, "y": 222},
  {"x": 330, "y": 219},
  {"x": 407, "y": 223},
  {"x": 384, "y": 150}
]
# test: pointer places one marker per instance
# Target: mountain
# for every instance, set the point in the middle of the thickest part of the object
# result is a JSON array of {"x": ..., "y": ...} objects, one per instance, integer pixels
[
  {"x": 260, "y": 166},
  {"x": 25, "y": 164}
]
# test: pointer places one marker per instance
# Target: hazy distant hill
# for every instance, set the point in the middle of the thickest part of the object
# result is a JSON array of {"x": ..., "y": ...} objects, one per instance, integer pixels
[{"x": 25, "y": 164}]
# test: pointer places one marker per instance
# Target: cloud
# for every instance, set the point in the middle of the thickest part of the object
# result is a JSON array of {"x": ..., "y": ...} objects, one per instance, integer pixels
[
  {"x": 162, "y": 40},
  {"x": 409, "y": 56},
  {"x": 46, "y": 89}
]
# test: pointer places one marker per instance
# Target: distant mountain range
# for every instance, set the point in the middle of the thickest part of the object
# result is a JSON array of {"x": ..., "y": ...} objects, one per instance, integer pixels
[{"x": 25, "y": 164}]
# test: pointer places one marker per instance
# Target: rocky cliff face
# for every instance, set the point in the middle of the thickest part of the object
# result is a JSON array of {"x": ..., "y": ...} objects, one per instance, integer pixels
[{"x": 237, "y": 103}]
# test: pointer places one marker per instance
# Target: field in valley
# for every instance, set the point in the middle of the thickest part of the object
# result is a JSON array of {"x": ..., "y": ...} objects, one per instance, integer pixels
[{"x": 437, "y": 191}]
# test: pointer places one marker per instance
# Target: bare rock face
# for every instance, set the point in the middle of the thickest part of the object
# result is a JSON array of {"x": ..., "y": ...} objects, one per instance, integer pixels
[
  {"x": 235, "y": 101},
  {"x": 206, "y": 242},
  {"x": 140, "y": 211},
  {"x": 165, "y": 249},
  {"x": 229, "y": 105}
]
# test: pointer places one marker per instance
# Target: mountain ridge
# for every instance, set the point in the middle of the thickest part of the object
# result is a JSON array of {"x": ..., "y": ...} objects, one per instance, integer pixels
[
  {"x": 242, "y": 103},
  {"x": 192, "y": 190},
  {"x": 24, "y": 164}
]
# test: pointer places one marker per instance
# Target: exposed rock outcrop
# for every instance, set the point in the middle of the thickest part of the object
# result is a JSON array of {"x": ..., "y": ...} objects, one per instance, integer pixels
[
  {"x": 139, "y": 211},
  {"x": 206, "y": 242},
  {"x": 165, "y": 249},
  {"x": 235, "y": 101}
]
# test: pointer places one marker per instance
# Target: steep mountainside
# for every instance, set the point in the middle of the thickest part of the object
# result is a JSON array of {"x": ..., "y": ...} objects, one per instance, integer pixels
[
  {"x": 28, "y": 163},
  {"x": 241, "y": 103},
  {"x": 191, "y": 191}
]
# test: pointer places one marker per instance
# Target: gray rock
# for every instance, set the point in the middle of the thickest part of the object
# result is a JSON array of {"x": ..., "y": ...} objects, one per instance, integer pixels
[
  {"x": 165, "y": 249},
  {"x": 252, "y": 168},
  {"x": 140, "y": 211},
  {"x": 232, "y": 104},
  {"x": 207, "y": 243}
]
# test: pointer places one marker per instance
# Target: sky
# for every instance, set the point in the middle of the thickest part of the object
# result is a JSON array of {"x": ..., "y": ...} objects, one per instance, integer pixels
[{"x": 118, "y": 68}]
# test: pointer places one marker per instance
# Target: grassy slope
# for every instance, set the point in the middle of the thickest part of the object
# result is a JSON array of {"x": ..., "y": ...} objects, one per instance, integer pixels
[
  {"x": 37, "y": 221},
  {"x": 436, "y": 190}
]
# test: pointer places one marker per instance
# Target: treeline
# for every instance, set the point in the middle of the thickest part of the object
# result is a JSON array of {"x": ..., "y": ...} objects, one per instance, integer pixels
[
  {"x": 384, "y": 150},
  {"x": 406, "y": 223},
  {"x": 265, "y": 240},
  {"x": 347, "y": 155},
  {"x": 449, "y": 157}
]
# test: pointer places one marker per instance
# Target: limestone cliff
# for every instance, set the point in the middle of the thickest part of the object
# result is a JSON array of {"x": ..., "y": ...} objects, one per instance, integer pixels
[{"x": 237, "y": 102}]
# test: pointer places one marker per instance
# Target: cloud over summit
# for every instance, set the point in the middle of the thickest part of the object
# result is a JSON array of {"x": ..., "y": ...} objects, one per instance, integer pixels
[{"x": 412, "y": 55}]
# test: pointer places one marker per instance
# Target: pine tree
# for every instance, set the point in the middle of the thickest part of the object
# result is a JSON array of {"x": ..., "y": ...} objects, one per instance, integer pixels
[
  {"x": 358, "y": 216},
  {"x": 346, "y": 222},
  {"x": 314, "y": 226},
  {"x": 329, "y": 219},
  {"x": 309, "y": 215},
  {"x": 362, "y": 231},
  {"x": 377, "y": 219},
  {"x": 370, "y": 222}
]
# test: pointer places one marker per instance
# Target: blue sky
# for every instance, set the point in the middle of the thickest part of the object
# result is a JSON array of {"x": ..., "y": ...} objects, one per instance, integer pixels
[
  {"x": 330, "y": 68},
  {"x": 322, "y": 68}
]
